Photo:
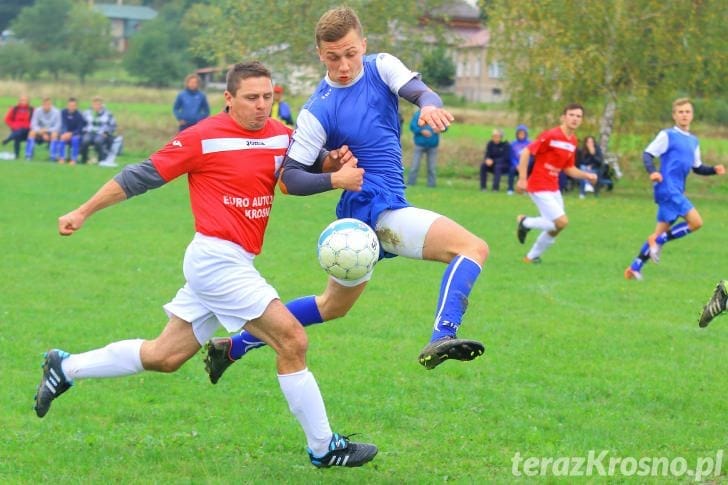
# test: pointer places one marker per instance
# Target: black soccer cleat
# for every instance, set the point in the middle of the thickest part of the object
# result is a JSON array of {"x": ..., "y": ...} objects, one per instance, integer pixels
[
  {"x": 217, "y": 359},
  {"x": 53, "y": 383},
  {"x": 437, "y": 352},
  {"x": 521, "y": 231},
  {"x": 343, "y": 452},
  {"x": 715, "y": 306}
]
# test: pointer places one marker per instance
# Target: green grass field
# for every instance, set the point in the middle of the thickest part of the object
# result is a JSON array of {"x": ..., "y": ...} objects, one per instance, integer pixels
[{"x": 577, "y": 358}]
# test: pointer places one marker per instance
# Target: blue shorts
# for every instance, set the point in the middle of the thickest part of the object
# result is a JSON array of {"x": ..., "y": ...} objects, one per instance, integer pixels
[
  {"x": 671, "y": 207},
  {"x": 369, "y": 204}
]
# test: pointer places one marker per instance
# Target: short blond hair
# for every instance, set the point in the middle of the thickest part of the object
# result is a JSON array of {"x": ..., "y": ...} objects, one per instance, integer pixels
[
  {"x": 336, "y": 23},
  {"x": 680, "y": 102}
]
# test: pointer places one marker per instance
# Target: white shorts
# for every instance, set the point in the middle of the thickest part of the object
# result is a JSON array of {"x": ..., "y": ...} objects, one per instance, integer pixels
[
  {"x": 223, "y": 288},
  {"x": 550, "y": 204}
]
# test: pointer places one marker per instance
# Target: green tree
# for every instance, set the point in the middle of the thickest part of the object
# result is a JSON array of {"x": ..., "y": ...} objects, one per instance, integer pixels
[
  {"x": 282, "y": 33},
  {"x": 624, "y": 59},
  {"x": 158, "y": 52},
  {"x": 19, "y": 60},
  {"x": 438, "y": 69},
  {"x": 67, "y": 36},
  {"x": 10, "y": 10}
]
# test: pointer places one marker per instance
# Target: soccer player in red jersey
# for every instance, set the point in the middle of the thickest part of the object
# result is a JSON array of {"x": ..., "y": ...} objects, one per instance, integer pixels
[
  {"x": 553, "y": 152},
  {"x": 232, "y": 162}
]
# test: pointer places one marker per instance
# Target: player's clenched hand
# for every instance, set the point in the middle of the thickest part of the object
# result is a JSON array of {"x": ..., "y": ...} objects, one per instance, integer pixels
[
  {"x": 438, "y": 118},
  {"x": 720, "y": 169},
  {"x": 521, "y": 186},
  {"x": 656, "y": 177},
  {"x": 337, "y": 158},
  {"x": 592, "y": 178},
  {"x": 70, "y": 223},
  {"x": 348, "y": 177}
]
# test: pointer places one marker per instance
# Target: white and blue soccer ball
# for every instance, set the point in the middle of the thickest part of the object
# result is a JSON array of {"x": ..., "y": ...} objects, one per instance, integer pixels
[{"x": 348, "y": 249}]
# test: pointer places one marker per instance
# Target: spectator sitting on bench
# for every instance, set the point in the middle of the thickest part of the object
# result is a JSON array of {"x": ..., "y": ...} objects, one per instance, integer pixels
[
  {"x": 99, "y": 130},
  {"x": 72, "y": 123},
  {"x": 18, "y": 120},
  {"x": 45, "y": 125}
]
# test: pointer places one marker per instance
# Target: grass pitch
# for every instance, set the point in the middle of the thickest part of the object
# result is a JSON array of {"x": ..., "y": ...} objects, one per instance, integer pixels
[{"x": 577, "y": 358}]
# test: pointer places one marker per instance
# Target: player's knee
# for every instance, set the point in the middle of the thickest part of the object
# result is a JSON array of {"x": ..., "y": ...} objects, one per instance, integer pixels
[
  {"x": 695, "y": 224},
  {"x": 479, "y": 250},
  {"x": 561, "y": 223},
  {"x": 293, "y": 342}
]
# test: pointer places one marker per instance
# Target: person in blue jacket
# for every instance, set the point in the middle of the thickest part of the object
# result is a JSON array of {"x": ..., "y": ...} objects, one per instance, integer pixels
[
  {"x": 426, "y": 143},
  {"x": 517, "y": 147},
  {"x": 191, "y": 104}
]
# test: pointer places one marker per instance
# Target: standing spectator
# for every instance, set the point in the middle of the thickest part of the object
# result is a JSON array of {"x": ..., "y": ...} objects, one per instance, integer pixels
[
  {"x": 45, "y": 125},
  {"x": 517, "y": 147},
  {"x": 72, "y": 123},
  {"x": 18, "y": 120},
  {"x": 281, "y": 110},
  {"x": 98, "y": 130},
  {"x": 191, "y": 103},
  {"x": 426, "y": 142},
  {"x": 590, "y": 160},
  {"x": 496, "y": 159},
  {"x": 554, "y": 151},
  {"x": 679, "y": 153}
]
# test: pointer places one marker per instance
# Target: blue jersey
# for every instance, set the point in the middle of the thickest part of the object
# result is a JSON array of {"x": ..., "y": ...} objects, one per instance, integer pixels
[
  {"x": 363, "y": 115},
  {"x": 679, "y": 153}
]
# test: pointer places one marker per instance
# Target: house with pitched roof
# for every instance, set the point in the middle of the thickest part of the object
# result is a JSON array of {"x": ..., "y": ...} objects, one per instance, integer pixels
[{"x": 125, "y": 20}]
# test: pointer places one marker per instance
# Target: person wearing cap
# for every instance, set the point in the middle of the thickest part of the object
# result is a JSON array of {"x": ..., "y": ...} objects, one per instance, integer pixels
[{"x": 281, "y": 109}]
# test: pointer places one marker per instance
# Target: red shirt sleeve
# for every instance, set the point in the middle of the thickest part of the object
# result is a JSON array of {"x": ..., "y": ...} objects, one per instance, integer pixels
[{"x": 179, "y": 156}]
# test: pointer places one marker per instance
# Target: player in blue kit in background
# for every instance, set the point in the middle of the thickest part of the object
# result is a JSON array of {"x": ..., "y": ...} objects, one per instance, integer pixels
[
  {"x": 679, "y": 152},
  {"x": 356, "y": 106}
]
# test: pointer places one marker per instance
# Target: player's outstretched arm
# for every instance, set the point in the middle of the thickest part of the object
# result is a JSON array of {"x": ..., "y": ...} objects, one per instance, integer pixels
[
  {"x": 576, "y": 173},
  {"x": 109, "y": 194}
]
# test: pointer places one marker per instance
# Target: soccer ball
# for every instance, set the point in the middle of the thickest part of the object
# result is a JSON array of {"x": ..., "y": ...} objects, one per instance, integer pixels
[{"x": 348, "y": 249}]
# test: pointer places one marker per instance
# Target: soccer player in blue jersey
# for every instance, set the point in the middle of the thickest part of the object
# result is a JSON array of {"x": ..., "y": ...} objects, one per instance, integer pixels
[
  {"x": 356, "y": 106},
  {"x": 679, "y": 152}
]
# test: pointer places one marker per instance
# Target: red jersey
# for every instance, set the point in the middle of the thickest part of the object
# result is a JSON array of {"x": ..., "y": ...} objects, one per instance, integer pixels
[
  {"x": 231, "y": 174},
  {"x": 553, "y": 151},
  {"x": 18, "y": 117}
]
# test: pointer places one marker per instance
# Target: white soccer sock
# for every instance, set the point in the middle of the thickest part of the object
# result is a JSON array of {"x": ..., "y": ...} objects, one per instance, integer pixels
[
  {"x": 116, "y": 359},
  {"x": 538, "y": 223},
  {"x": 544, "y": 241},
  {"x": 305, "y": 402}
]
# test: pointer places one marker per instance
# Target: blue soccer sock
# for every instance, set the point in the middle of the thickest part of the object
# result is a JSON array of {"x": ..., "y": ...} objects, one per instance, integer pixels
[
  {"x": 29, "y": 146},
  {"x": 75, "y": 147},
  {"x": 61, "y": 150},
  {"x": 304, "y": 309},
  {"x": 54, "y": 149},
  {"x": 681, "y": 229},
  {"x": 641, "y": 259},
  {"x": 457, "y": 281}
]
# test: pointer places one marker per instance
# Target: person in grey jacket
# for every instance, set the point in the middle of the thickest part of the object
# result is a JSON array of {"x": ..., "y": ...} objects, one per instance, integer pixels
[
  {"x": 45, "y": 125},
  {"x": 99, "y": 130}
]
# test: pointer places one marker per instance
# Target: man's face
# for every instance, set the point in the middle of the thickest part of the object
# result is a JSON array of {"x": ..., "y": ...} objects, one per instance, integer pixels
[
  {"x": 683, "y": 115},
  {"x": 46, "y": 105},
  {"x": 96, "y": 106},
  {"x": 193, "y": 84},
  {"x": 23, "y": 101},
  {"x": 572, "y": 118},
  {"x": 72, "y": 106},
  {"x": 496, "y": 137},
  {"x": 251, "y": 105},
  {"x": 343, "y": 58}
]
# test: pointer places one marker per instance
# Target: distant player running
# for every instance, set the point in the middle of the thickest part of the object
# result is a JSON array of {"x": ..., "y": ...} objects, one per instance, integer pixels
[
  {"x": 554, "y": 151},
  {"x": 356, "y": 105},
  {"x": 716, "y": 305},
  {"x": 679, "y": 152}
]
